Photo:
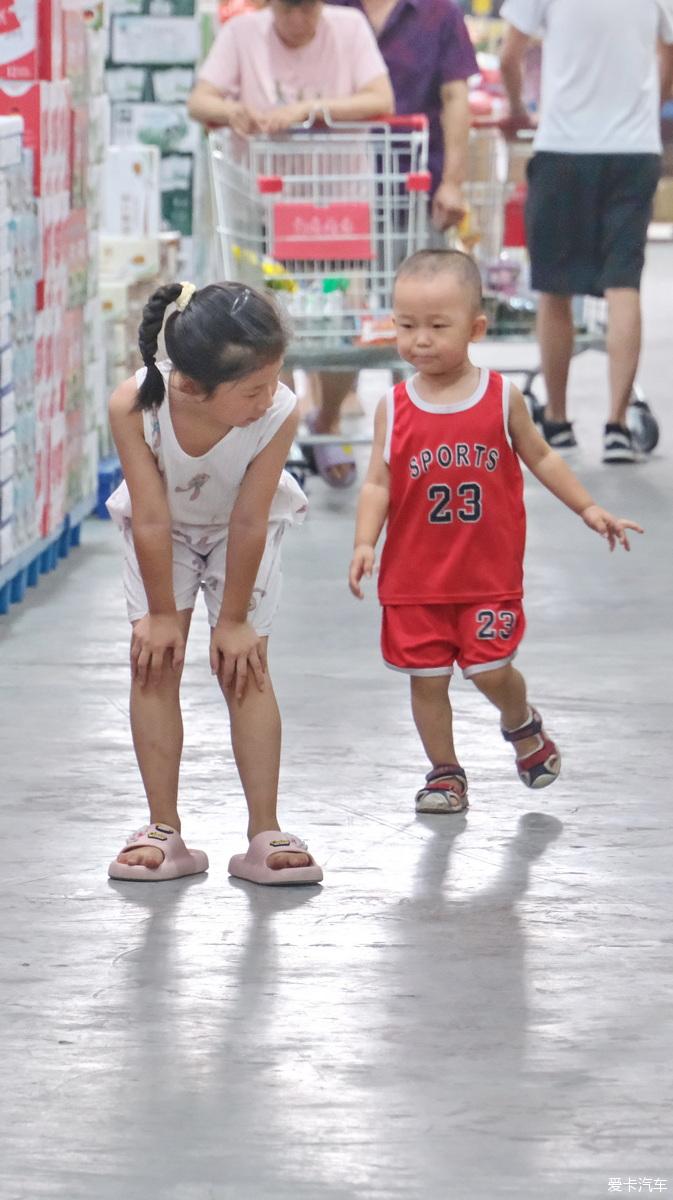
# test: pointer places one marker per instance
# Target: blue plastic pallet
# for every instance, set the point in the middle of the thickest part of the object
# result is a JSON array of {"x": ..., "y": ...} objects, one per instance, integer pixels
[
  {"x": 109, "y": 477},
  {"x": 25, "y": 570}
]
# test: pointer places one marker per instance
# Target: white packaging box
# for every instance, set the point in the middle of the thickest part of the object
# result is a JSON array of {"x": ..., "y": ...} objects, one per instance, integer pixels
[
  {"x": 114, "y": 297},
  {"x": 6, "y": 367},
  {"x": 6, "y": 501},
  {"x": 172, "y": 85},
  {"x": 167, "y": 126},
  {"x": 11, "y": 134},
  {"x": 7, "y": 455},
  {"x": 5, "y": 322},
  {"x": 132, "y": 191},
  {"x": 127, "y": 7},
  {"x": 7, "y": 410},
  {"x": 99, "y": 128},
  {"x": 127, "y": 258},
  {"x": 7, "y": 549},
  {"x": 126, "y": 83},
  {"x": 155, "y": 41}
]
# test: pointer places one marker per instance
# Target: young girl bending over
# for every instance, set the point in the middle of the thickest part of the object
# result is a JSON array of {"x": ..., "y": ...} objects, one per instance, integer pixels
[{"x": 202, "y": 438}]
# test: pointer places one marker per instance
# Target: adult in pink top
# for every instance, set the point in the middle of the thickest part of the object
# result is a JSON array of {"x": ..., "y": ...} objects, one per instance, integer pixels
[{"x": 271, "y": 69}]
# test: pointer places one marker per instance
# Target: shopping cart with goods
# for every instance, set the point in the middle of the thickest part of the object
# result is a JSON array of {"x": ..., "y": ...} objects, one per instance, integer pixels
[
  {"x": 493, "y": 231},
  {"x": 324, "y": 214}
]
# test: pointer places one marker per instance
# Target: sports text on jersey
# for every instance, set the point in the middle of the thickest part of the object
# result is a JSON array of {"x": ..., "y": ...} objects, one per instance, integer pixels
[{"x": 462, "y": 454}]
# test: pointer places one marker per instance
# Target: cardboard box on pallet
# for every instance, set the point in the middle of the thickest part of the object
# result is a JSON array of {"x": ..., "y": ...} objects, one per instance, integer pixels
[
  {"x": 166, "y": 126},
  {"x": 132, "y": 191},
  {"x": 154, "y": 41},
  {"x": 129, "y": 258},
  {"x": 45, "y": 110},
  {"x": 177, "y": 192},
  {"x": 31, "y": 42}
]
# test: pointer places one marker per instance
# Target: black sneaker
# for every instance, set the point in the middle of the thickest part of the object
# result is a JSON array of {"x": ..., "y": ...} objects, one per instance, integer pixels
[
  {"x": 618, "y": 444},
  {"x": 559, "y": 435}
]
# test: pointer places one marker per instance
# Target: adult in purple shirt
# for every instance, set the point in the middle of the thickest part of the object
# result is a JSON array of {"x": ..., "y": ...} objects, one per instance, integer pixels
[{"x": 429, "y": 56}]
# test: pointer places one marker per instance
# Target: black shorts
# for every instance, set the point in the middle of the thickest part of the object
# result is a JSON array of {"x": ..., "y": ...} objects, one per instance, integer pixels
[{"x": 586, "y": 220}]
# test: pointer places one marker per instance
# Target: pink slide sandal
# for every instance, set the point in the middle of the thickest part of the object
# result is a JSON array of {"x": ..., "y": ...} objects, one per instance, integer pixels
[
  {"x": 330, "y": 454},
  {"x": 253, "y": 864},
  {"x": 178, "y": 860}
]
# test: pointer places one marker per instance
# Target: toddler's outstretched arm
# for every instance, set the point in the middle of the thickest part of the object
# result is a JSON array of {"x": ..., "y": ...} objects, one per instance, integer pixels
[
  {"x": 555, "y": 474},
  {"x": 372, "y": 507}
]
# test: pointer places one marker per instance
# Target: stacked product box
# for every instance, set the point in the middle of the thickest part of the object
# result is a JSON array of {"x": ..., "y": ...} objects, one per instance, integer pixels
[
  {"x": 135, "y": 257},
  {"x": 10, "y": 155},
  {"x": 154, "y": 46},
  {"x": 52, "y": 70},
  {"x": 84, "y": 366},
  {"x": 32, "y": 86},
  {"x": 18, "y": 272},
  {"x": 25, "y": 268}
]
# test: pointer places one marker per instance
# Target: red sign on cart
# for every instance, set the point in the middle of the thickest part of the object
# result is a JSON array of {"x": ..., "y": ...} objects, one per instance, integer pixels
[{"x": 322, "y": 232}]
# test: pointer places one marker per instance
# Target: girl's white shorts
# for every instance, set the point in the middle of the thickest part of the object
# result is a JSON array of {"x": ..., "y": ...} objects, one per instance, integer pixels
[{"x": 199, "y": 563}]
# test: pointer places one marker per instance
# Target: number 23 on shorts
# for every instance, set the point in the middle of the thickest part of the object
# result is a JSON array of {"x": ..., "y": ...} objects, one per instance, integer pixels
[{"x": 495, "y": 623}]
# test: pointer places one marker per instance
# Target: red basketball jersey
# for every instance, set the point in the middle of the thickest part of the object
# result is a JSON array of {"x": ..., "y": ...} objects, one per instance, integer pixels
[{"x": 456, "y": 522}]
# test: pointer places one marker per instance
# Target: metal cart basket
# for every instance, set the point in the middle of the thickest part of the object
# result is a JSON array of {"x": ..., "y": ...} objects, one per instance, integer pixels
[{"x": 324, "y": 213}]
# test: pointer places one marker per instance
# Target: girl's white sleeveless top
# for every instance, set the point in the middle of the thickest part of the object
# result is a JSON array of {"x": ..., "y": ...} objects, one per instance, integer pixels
[{"x": 202, "y": 491}]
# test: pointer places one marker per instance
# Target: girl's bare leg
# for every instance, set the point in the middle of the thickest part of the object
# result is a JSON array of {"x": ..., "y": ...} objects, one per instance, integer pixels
[
  {"x": 256, "y": 738},
  {"x": 156, "y": 726}
]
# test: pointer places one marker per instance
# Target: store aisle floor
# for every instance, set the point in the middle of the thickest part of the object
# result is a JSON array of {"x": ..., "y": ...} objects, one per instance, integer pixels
[{"x": 469, "y": 1008}]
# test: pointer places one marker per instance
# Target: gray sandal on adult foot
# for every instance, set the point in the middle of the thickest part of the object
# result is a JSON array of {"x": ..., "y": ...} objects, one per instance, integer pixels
[
  {"x": 541, "y": 766},
  {"x": 445, "y": 790}
]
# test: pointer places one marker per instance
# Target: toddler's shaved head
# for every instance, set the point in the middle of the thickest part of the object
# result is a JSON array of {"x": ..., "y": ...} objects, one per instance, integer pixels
[{"x": 430, "y": 263}]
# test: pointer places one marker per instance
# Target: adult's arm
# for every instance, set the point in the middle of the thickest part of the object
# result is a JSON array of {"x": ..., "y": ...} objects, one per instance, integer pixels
[
  {"x": 448, "y": 205},
  {"x": 208, "y": 105},
  {"x": 666, "y": 70},
  {"x": 375, "y": 98},
  {"x": 512, "y": 57}
]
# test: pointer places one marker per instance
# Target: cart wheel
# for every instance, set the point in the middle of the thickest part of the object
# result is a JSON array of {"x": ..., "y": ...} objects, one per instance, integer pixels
[
  {"x": 536, "y": 409},
  {"x": 643, "y": 425}
]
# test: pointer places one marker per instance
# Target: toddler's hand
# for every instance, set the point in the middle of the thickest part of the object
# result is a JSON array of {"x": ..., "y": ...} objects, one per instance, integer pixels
[
  {"x": 362, "y": 563},
  {"x": 235, "y": 646},
  {"x": 612, "y": 528}
]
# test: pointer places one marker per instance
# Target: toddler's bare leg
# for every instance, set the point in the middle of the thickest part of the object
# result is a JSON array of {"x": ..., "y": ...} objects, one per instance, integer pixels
[
  {"x": 156, "y": 726},
  {"x": 432, "y": 712},
  {"x": 256, "y": 738},
  {"x": 505, "y": 687}
]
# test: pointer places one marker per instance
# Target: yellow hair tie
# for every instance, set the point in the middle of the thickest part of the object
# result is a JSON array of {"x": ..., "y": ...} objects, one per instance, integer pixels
[{"x": 185, "y": 296}]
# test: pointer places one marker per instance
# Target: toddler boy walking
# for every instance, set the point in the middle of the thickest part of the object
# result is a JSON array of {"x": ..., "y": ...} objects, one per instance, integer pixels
[{"x": 445, "y": 475}]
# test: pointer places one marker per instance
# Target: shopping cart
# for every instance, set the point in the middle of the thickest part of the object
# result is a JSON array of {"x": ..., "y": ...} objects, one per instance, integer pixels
[
  {"x": 494, "y": 233},
  {"x": 324, "y": 214}
]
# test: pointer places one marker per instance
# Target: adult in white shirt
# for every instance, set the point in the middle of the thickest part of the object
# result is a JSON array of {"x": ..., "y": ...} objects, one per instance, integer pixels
[{"x": 592, "y": 178}]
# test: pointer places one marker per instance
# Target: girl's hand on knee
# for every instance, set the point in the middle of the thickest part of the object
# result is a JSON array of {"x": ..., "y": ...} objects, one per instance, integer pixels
[
  {"x": 153, "y": 638},
  {"x": 612, "y": 528},
  {"x": 235, "y": 649},
  {"x": 362, "y": 563}
]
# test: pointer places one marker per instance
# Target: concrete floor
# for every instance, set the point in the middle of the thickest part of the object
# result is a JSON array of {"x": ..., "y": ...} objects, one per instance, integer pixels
[{"x": 468, "y": 1008}]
